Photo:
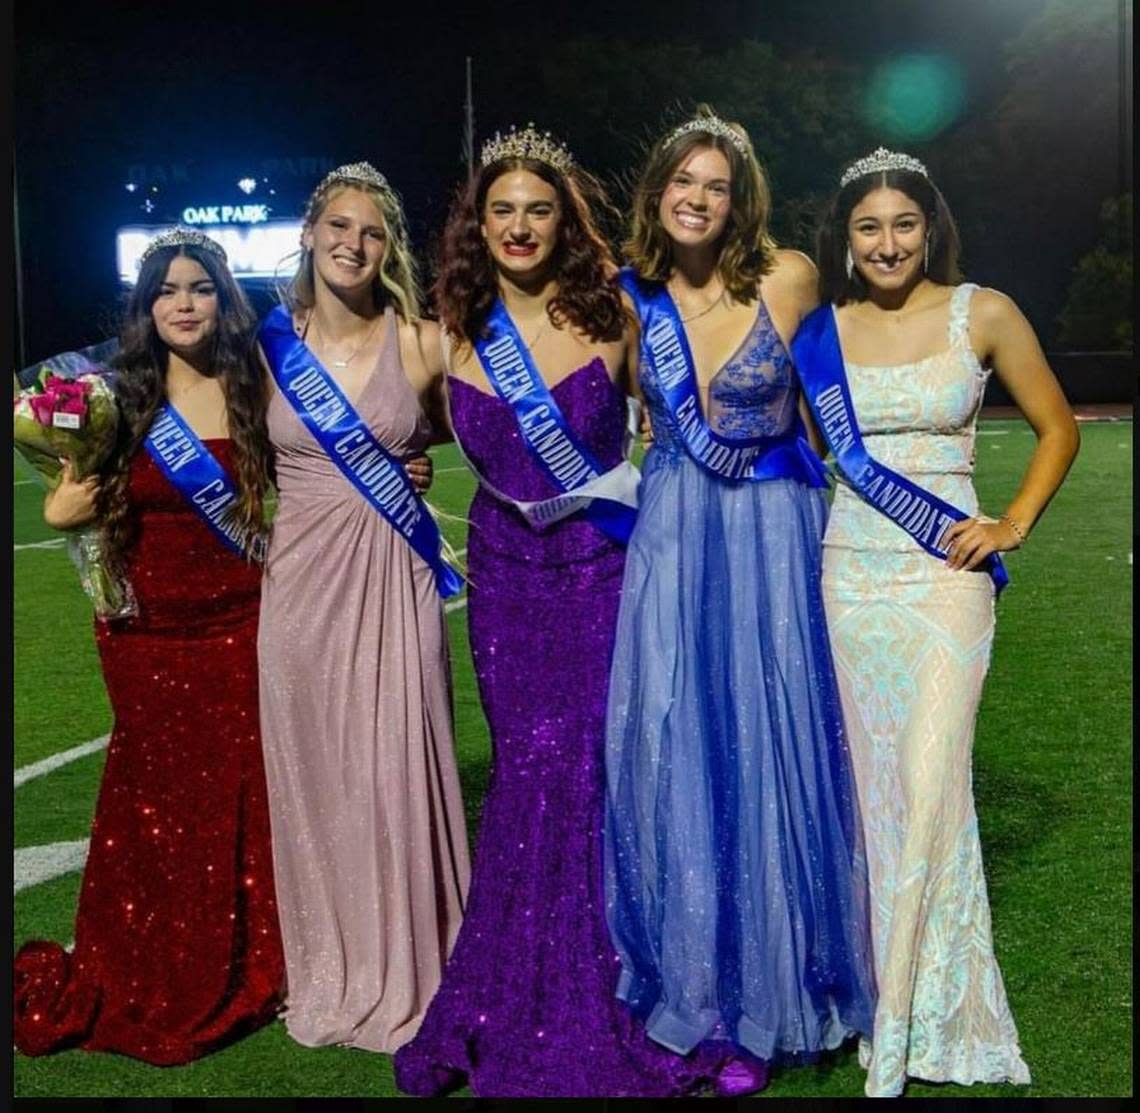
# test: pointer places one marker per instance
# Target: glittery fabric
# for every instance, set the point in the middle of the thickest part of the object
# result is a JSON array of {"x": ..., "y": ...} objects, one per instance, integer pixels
[
  {"x": 912, "y": 646},
  {"x": 177, "y": 949},
  {"x": 369, "y": 842},
  {"x": 736, "y": 883},
  {"x": 526, "y": 1007}
]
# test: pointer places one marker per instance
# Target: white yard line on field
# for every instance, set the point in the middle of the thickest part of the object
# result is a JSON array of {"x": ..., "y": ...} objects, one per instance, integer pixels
[
  {"x": 33, "y": 865},
  {"x": 22, "y": 482},
  {"x": 54, "y": 543},
  {"x": 445, "y": 471},
  {"x": 993, "y": 432},
  {"x": 55, "y": 761}
]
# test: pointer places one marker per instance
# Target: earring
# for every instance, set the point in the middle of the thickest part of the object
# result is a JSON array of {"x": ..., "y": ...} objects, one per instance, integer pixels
[
  {"x": 926, "y": 255},
  {"x": 850, "y": 263}
]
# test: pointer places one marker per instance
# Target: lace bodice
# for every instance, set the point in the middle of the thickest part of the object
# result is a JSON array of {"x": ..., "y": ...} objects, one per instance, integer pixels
[
  {"x": 753, "y": 395},
  {"x": 919, "y": 418}
]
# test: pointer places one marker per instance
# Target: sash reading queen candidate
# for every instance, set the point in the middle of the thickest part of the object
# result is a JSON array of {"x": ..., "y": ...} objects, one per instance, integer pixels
[
  {"x": 539, "y": 348},
  {"x": 369, "y": 842},
  {"x": 177, "y": 949},
  {"x": 737, "y": 891},
  {"x": 895, "y": 364}
]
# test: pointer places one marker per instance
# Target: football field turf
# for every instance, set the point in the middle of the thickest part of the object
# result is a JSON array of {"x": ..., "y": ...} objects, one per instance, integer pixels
[{"x": 1052, "y": 777}]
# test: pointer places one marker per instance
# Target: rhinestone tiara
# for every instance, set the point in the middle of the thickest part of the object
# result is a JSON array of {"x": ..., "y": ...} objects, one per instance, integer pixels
[
  {"x": 181, "y": 236},
  {"x": 353, "y": 172},
  {"x": 528, "y": 143},
  {"x": 878, "y": 160},
  {"x": 714, "y": 125}
]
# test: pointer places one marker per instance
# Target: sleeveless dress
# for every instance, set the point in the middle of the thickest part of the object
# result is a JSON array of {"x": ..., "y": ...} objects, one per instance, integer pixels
[
  {"x": 526, "y": 1007},
  {"x": 177, "y": 949},
  {"x": 912, "y": 645},
  {"x": 369, "y": 842},
  {"x": 736, "y": 884}
]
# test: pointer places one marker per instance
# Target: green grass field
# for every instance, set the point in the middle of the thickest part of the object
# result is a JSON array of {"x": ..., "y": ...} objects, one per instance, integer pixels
[{"x": 1052, "y": 778}]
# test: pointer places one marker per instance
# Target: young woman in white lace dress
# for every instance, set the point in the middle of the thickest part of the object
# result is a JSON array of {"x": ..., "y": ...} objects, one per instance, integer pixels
[{"x": 911, "y": 633}]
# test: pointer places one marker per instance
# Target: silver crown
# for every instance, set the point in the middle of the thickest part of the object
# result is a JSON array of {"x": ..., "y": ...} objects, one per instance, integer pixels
[
  {"x": 528, "y": 143},
  {"x": 879, "y": 160},
  {"x": 353, "y": 172},
  {"x": 714, "y": 125},
  {"x": 180, "y": 236}
]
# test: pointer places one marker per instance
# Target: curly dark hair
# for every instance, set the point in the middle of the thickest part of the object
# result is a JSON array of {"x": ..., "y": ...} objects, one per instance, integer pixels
[
  {"x": 831, "y": 239},
  {"x": 747, "y": 250},
  {"x": 466, "y": 285},
  {"x": 139, "y": 369}
]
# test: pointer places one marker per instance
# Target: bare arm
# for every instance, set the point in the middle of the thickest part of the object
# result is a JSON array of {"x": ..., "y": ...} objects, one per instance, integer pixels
[
  {"x": 1007, "y": 342},
  {"x": 799, "y": 287}
]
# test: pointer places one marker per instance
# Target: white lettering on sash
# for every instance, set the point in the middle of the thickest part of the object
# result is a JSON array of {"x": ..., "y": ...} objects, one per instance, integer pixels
[
  {"x": 508, "y": 367},
  {"x": 668, "y": 356},
  {"x": 317, "y": 398},
  {"x": 835, "y": 419},
  {"x": 219, "y": 510},
  {"x": 542, "y": 432},
  {"x": 175, "y": 448},
  {"x": 381, "y": 478}
]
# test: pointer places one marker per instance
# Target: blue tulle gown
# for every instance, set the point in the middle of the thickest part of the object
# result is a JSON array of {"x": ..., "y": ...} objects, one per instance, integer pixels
[{"x": 736, "y": 881}]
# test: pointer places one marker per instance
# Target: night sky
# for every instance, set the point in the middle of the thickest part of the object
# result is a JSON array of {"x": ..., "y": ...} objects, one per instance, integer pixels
[{"x": 212, "y": 87}]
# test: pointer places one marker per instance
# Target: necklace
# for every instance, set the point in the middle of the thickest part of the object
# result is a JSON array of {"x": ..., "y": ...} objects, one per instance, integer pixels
[
  {"x": 707, "y": 309},
  {"x": 355, "y": 351},
  {"x": 534, "y": 339}
]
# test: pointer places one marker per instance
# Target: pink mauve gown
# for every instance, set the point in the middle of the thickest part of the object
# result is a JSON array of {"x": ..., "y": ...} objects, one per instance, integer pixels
[{"x": 369, "y": 844}]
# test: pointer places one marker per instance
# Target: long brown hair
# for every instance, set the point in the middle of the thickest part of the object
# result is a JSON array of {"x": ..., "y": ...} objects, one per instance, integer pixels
[
  {"x": 747, "y": 250},
  {"x": 466, "y": 285},
  {"x": 139, "y": 369}
]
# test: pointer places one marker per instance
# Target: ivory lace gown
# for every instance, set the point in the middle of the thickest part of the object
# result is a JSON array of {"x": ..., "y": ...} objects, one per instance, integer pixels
[{"x": 911, "y": 641}]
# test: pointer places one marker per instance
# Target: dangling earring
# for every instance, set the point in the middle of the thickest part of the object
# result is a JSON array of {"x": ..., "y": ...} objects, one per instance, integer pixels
[
  {"x": 850, "y": 263},
  {"x": 926, "y": 255}
]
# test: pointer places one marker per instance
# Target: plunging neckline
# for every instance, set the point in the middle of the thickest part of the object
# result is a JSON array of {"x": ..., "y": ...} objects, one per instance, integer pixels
[{"x": 372, "y": 374}]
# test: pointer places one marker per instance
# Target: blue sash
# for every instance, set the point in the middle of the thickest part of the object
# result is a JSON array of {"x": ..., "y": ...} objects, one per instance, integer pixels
[
  {"x": 200, "y": 480},
  {"x": 349, "y": 443},
  {"x": 565, "y": 461},
  {"x": 819, "y": 361},
  {"x": 665, "y": 347}
]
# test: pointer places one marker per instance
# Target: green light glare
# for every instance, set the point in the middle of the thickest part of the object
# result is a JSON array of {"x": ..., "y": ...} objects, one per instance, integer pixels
[{"x": 914, "y": 97}]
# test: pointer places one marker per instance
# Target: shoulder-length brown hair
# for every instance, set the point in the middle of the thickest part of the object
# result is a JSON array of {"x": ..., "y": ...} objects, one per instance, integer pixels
[
  {"x": 748, "y": 248},
  {"x": 139, "y": 369},
  {"x": 466, "y": 285},
  {"x": 831, "y": 240}
]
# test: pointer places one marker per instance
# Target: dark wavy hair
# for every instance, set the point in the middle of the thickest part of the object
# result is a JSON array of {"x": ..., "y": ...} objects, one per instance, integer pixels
[
  {"x": 747, "y": 250},
  {"x": 831, "y": 239},
  {"x": 139, "y": 369},
  {"x": 466, "y": 284}
]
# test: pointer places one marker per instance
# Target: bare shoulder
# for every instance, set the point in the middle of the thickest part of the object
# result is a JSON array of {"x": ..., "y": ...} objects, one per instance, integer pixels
[
  {"x": 420, "y": 341},
  {"x": 794, "y": 275},
  {"x": 990, "y": 307},
  {"x": 992, "y": 315}
]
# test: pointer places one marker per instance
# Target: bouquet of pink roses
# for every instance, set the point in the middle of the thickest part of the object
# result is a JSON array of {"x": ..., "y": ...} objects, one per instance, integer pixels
[{"x": 78, "y": 419}]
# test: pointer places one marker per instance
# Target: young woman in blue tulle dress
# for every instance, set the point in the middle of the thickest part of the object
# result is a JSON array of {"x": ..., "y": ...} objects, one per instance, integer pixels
[{"x": 736, "y": 882}]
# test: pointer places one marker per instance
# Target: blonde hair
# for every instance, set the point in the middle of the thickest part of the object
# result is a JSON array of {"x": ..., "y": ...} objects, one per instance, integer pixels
[
  {"x": 397, "y": 281},
  {"x": 747, "y": 250}
]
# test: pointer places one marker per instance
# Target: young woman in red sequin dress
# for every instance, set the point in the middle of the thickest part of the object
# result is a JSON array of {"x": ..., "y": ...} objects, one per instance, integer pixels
[{"x": 177, "y": 948}]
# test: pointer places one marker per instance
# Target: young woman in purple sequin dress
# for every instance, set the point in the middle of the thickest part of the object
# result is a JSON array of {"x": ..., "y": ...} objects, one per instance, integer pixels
[{"x": 526, "y": 1006}]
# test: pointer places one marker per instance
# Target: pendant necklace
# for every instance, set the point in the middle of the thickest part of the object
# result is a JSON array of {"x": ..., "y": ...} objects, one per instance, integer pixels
[{"x": 355, "y": 351}]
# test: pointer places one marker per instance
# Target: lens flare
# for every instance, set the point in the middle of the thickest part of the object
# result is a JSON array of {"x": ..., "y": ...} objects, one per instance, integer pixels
[{"x": 914, "y": 97}]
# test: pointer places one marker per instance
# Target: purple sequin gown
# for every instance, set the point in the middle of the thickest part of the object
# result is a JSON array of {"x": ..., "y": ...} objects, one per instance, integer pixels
[{"x": 527, "y": 1006}]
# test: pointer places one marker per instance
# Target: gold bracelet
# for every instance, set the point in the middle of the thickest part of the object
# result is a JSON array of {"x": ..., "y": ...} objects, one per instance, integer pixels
[{"x": 1021, "y": 537}]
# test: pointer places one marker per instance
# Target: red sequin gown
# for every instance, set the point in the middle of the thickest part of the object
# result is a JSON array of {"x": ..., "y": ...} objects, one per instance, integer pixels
[{"x": 177, "y": 947}]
